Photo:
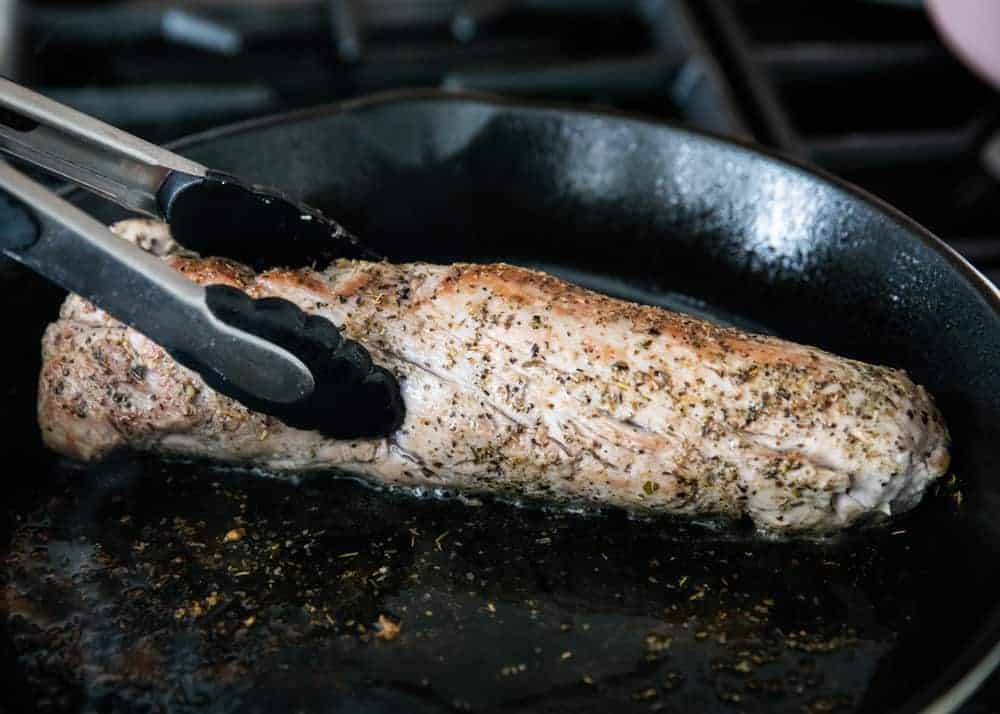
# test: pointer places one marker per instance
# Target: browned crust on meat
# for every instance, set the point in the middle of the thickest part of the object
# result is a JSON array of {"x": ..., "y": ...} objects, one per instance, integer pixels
[
  {"x": 215, "y": 270},
  {"x": 522, "y": 286}
]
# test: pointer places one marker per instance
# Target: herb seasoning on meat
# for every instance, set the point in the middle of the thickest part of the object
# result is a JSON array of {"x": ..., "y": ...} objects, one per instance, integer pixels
[{"x": 519, "y": 384}]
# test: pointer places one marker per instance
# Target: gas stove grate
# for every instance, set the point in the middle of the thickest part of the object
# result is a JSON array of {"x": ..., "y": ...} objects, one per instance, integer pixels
[
  {"x": 863, "y": 89},
  {"x": 867, "y": 91},
  {"x": 173, "y": 71}
]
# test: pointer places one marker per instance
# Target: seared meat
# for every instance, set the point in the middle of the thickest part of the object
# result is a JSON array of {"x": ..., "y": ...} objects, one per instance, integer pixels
[{"x": 519, "y": 384}]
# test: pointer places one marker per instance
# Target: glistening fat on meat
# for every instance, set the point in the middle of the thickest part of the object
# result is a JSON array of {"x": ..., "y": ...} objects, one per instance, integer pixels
[{"x": 522, "y": 385}]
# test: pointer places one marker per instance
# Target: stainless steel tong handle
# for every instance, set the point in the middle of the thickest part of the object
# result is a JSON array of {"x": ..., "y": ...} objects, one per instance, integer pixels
[
  {"x": 266, "y": 353},
  {"x": 117, "y": 165},
  {"x": 142, "y": 291}
]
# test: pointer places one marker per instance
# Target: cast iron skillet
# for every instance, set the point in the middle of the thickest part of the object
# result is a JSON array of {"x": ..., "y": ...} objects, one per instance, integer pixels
[{"x": 123, "y": 591}]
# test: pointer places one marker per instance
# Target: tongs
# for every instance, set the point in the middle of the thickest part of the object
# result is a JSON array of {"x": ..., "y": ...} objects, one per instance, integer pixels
[{"x": 266, "y": 353}]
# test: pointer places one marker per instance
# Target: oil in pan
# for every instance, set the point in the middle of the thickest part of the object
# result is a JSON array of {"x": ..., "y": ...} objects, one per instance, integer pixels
[{"x": 146, "y": 586}]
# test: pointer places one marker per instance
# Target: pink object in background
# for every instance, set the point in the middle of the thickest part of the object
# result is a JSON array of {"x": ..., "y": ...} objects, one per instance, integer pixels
[{"x": 971, "y": 28}]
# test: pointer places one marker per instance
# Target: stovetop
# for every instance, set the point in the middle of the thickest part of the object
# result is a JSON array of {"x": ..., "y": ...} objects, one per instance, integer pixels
[{"x": 863, "y": 89}]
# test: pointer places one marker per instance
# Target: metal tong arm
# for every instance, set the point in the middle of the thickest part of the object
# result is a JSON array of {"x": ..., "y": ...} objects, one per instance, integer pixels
[
  {"x": 142, "y": 291},
  {"x": 111, "y": 162}
]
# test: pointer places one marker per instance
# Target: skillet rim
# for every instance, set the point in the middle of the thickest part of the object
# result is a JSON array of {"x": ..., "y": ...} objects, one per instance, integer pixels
[{"x": 972, "y": 674}]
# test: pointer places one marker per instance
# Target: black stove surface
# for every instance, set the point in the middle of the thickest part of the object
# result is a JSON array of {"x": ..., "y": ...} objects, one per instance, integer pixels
[{"x": 863, "y": 89}]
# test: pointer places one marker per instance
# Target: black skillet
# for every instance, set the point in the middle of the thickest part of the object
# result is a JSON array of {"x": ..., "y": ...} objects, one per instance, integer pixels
[{"x": 131, "y": 587}]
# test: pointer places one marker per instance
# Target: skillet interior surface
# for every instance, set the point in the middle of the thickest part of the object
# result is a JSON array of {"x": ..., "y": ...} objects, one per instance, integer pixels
[{"x": 122, "y": 591}]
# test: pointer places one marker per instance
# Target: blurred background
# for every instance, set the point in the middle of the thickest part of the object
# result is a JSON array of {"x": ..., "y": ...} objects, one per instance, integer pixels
[{"x": 867, "y": 90}]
